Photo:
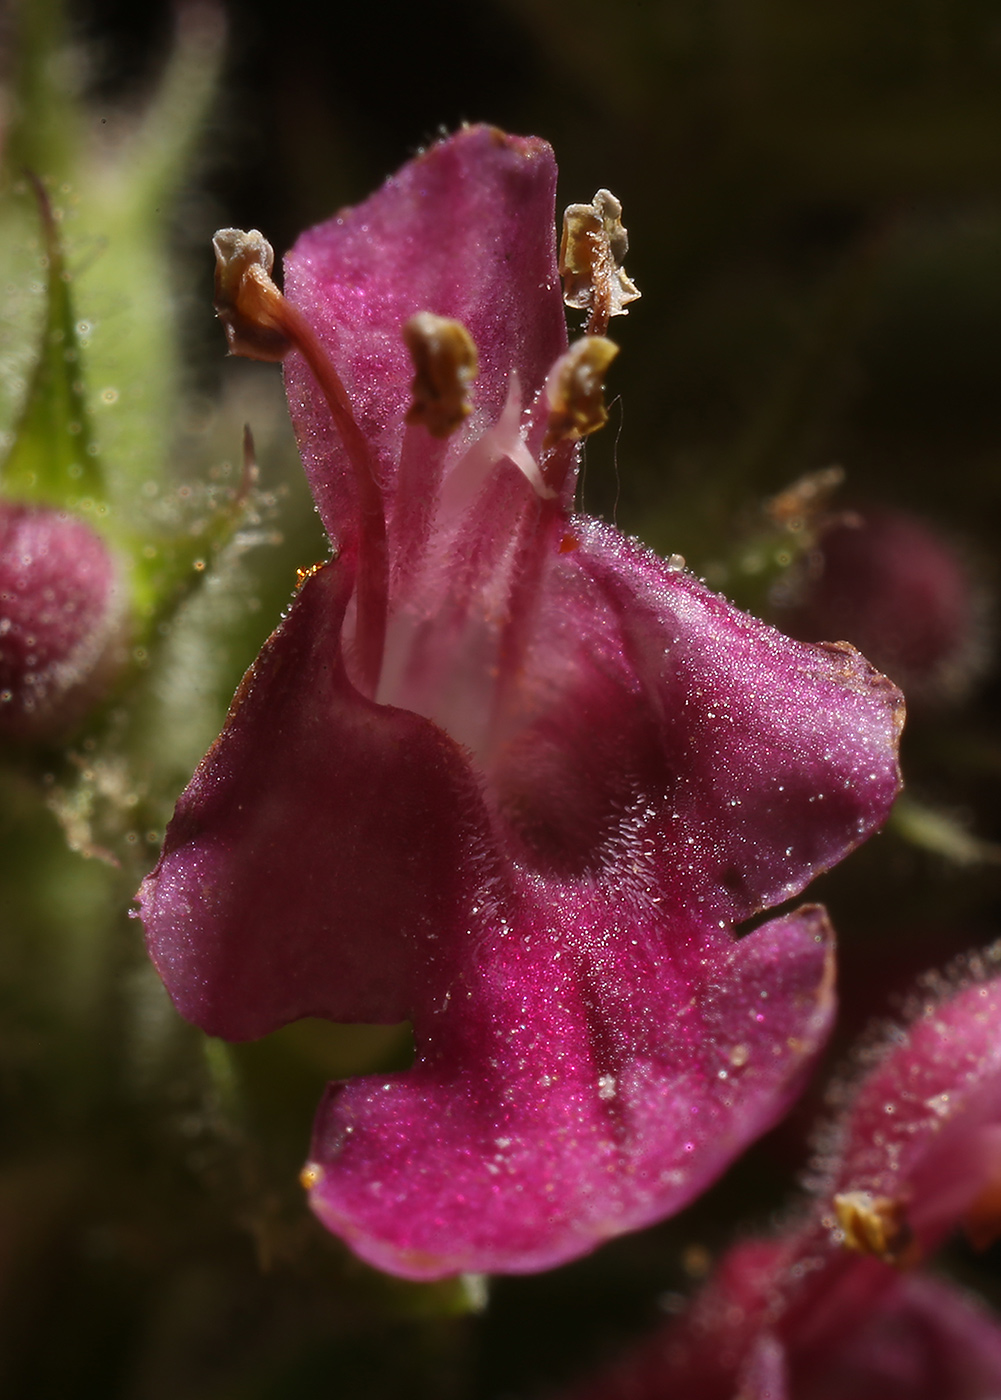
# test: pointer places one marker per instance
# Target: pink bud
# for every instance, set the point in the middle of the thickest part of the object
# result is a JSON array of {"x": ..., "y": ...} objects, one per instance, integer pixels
[
  {"x": 60, "y": 620},
  {"x": 898, "y": 590}
]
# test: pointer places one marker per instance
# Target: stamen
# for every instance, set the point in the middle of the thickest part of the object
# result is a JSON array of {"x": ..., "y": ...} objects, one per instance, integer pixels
[
  {"x": 575, "y": 388},
  {"x": 445, "y": 364},
  {"x": 247, "y": 302},
  {"x": 592, "y": 252},
  {"x": 262, "y": 325},
  {"x": 874, "y": 1225}
]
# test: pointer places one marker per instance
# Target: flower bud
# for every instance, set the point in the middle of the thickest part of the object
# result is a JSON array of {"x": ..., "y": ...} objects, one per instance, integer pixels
[
  {"x": 61, "y": 623},
  {"x": 898, "y": 590}
]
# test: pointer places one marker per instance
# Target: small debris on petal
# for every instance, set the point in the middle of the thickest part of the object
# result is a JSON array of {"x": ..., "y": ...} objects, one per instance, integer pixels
[
  {"x": 592, "y": 251},
  {"x": 445, "y": 365},
  {"x": 301, "y": 575},
  {"x": 575, "y": 388}
]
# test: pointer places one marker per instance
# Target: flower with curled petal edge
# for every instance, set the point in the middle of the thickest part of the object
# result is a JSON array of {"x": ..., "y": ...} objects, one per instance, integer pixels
[
  {"x": 835, "y": 1307},
  {"x": 501, "y": 770}
]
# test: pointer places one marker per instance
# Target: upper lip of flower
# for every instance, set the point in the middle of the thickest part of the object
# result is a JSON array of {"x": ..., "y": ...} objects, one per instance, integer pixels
[
  {"x": 527, "y": 818},
  {"x": 534, "y": 432}
]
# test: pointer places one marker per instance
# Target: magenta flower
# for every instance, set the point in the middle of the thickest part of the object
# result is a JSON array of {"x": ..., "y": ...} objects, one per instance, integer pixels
[
  {"x": 501, "y": 770},
  {"x": 833, "y": 1310},
  {"x": 61, "y": 620}
]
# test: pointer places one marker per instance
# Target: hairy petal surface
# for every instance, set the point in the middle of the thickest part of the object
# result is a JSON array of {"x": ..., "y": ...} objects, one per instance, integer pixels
[
  {"x": 925, "y": 1128},
  {"x": 320, "y": 841},
  {"x": 757, "y": 761},
  {"x": 803, "y": 1317},
  {"x": 553, "y": 1105}
]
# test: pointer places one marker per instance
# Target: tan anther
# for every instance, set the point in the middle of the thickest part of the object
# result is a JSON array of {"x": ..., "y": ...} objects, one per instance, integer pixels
[
  {"x": 575, "y": 388},
  {"x": 874, "y": 1225},
  {"x": 445, "y": 365},
  {"x": 592, "y": 252},
  {"x": 247, "y": 302}
]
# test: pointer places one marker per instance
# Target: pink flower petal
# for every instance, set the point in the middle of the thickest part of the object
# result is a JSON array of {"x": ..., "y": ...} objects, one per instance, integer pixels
[
  {"x": 804, "y": 1312},
  {"x": 925, "y": 1127},
  {"x": 322, "y": 840},
  {"x": 551, "y": 1107},
  {"x": 465, "y": 231},
  {"x": 750, "y": 762}
]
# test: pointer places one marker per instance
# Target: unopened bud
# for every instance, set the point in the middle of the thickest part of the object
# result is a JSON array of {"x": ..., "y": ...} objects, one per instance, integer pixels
[
  {"x": 61, "y": 621},
  {"x": 898, "y": 590}
]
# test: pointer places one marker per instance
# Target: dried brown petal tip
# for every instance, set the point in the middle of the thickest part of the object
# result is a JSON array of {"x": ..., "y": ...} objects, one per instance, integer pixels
[
  {"x": 874, "y": 1225},
  {"x": 445, "y": 365},
  {"x": 247, "y": 302},
  {"x": 576, "y": 389},
  {"x": 592, "y": 252}
]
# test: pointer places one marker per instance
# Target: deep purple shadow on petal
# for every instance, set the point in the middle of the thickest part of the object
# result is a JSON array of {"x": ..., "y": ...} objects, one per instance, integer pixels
[
  {"x": 886, "y": 1336},
  {"x": 922, "y": 1340}
]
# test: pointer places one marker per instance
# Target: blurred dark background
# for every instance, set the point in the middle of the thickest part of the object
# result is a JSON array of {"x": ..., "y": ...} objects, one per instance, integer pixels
[{"x": 813, "y": 193}]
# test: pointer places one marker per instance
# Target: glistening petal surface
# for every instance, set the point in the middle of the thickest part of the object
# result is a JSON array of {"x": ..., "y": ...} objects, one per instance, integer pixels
[
  {"x": 320, "y": 842},
  {"x": 755, "y": 761},
  {"x": 553, "y": 1104}
]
